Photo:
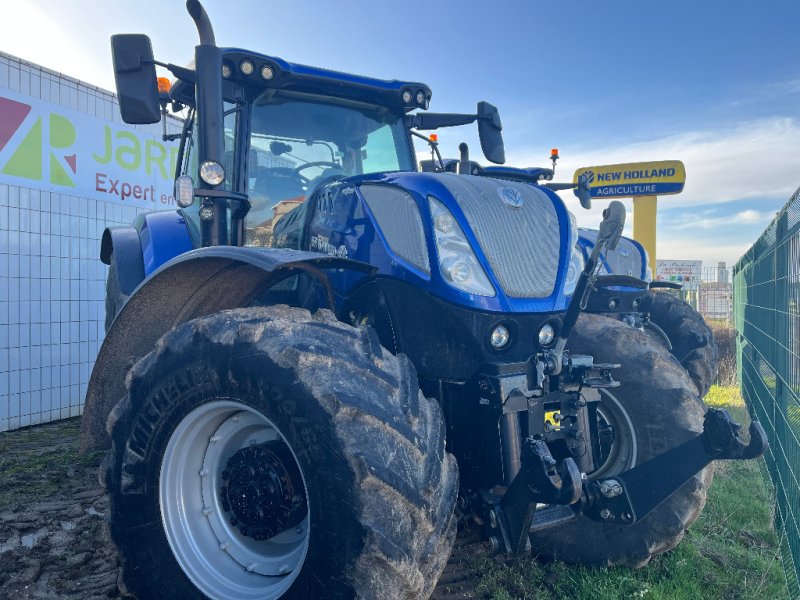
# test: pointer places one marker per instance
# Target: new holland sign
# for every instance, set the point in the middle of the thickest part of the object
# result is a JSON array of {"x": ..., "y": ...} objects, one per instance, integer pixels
[{"x": 634, "y": 179}]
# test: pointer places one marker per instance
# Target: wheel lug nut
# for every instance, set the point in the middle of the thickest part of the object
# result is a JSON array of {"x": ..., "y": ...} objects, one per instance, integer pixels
[
  {"x": 203, "y": 472},
  {"x": 224, "y": 546},
  {"x": 206, "y": 511}
]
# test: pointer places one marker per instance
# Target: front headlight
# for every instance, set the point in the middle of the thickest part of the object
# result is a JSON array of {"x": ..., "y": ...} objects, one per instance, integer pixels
[
  {"x": 573, "y": 271},
  {"x": 457, "y": 261}
]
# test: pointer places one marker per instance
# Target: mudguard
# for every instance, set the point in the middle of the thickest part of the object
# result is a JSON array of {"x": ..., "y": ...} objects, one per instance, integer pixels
[
  {"x": 137, "y": 251},
  {"x": 195, "y": 284},
  {"x": 122, "y": 245}
]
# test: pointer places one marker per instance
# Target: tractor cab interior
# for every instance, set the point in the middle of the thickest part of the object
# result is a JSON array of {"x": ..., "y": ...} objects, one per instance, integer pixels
[{"x": 299, "y": 142}]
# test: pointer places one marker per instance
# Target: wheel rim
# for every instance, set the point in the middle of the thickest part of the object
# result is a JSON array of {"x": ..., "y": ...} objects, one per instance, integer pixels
[
  {"x": 201, "y": 527},
  {"x": 624, "y": 449}
]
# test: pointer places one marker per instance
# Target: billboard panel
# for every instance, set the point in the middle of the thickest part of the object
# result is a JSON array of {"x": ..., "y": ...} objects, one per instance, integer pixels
[{"x": 627, "y": 180}]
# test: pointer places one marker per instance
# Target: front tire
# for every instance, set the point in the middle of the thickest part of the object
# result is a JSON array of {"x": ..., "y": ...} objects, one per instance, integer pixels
[
  {"x": 325, "y": 417},
  {"x": 655, "y": 409}
]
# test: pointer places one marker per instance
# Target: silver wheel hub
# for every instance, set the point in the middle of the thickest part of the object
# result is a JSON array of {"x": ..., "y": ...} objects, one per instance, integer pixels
[{"x": 212, "y": 512}]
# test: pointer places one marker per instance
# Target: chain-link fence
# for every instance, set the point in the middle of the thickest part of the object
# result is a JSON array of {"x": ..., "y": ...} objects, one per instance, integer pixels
[{"x": 766, "y": 283}]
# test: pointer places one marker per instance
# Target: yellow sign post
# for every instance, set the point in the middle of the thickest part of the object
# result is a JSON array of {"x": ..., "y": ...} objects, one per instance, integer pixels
[{"x": 643, "y": 182}]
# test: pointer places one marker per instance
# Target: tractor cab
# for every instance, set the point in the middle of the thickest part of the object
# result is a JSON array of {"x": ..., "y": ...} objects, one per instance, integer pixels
[{"x": 286, "y": 129}]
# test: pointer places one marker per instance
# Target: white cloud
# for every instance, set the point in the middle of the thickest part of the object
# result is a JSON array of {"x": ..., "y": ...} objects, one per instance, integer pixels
[
  {"x": 745, "y": 217},
  {"x": 754, "y": 159},
  {"x": 750, "y": 160},
  {"x": 697, "y": 249}
]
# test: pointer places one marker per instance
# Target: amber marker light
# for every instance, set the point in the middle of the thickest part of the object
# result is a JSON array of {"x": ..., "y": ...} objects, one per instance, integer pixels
[
  {"x": 163, "y": 85},
  {"x": 434, "y": 137}
]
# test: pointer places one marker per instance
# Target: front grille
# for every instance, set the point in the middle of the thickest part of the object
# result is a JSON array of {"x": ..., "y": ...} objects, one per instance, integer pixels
[
  {"x": 401, "y": 224},
  {"x": 522, "y": 244}
]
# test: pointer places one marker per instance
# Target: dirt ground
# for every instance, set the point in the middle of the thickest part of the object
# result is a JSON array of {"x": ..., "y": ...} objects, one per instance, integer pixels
[
  {"x": 53, "y": 543},
  {"x": 52, "y": 512}
]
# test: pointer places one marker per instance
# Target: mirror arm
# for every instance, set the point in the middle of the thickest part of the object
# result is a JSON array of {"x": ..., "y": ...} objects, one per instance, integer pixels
[
  {"x": 557, "y": 187},
  {"x": 182, "y": 73},
  {"x": 429, "y": 121}
]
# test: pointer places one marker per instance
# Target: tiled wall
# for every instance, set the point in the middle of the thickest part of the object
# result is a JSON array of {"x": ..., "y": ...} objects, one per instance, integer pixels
[
  {"x": 52, "y": 310},
  {"x": 52, "y": 283}
]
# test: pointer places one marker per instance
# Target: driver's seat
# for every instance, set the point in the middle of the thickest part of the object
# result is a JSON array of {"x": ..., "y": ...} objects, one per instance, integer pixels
[
  {"x": 277, "y": 186},
  {"x": 326, "y": 176}
]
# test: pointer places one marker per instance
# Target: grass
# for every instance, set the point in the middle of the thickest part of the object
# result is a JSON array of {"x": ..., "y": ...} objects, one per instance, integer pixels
[{"x": 730, "y": 553}]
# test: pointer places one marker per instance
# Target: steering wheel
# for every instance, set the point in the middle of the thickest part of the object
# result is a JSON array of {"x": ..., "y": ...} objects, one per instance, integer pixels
[
  {"x": 286, "y": 172},
  {"x": 316, "y": 163}
]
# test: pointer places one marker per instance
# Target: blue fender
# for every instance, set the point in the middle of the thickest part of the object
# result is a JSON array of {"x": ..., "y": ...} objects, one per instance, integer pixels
[{"x": 137, "y": 251}]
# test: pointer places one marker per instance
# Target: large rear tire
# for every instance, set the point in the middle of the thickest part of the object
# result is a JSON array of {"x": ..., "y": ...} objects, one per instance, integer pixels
[
  {"x": 691, "y": 338},
  {"x": 342, "y": 484},
  {"x": 655, "y": 409}
]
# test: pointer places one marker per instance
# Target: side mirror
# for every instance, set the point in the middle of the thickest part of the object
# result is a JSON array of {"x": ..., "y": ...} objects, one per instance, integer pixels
[
  {"x": 489, "y": 130},
  {"x": 611, "y": 226},
  {"x": 135, "y": 75},
  {"x": 583, "y": 193}
]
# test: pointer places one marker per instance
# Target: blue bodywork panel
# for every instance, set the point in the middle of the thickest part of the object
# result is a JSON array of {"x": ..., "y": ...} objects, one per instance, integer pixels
[
  {"x": 586, "y": 244},
  {"x": 344, "y": 226},
  {"x": 163, "y": 236}
]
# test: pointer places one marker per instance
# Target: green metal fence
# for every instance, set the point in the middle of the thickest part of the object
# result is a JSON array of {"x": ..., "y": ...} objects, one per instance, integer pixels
[{"x": 766, "y": 298}]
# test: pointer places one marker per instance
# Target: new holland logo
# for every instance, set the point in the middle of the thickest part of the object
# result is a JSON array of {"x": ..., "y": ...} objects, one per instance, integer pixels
[
  {"x": 28, "y": 159},
  {"x": 511, "y": 197},
  {"x": 589, "y": 176}
]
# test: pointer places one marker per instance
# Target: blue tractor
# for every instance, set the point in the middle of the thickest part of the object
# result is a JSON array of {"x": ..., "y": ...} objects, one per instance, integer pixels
[{"x": 325, "y": 361}]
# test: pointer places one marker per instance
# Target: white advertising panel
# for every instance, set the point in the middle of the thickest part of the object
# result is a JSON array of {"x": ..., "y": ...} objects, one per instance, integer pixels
[
  {"x": 53, "y": 148},
  {"x": 685, "y": 272}
]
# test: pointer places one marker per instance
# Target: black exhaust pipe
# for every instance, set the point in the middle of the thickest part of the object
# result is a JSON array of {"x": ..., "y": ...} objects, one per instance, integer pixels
[{"x": 211, "y": 134}]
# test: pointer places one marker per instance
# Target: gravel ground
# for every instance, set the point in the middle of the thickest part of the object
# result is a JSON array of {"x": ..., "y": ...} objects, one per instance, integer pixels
[{"x": 53, "y": 542}]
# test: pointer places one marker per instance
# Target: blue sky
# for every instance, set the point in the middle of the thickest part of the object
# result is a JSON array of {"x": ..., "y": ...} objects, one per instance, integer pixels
[{"x": 714, "y": 84}]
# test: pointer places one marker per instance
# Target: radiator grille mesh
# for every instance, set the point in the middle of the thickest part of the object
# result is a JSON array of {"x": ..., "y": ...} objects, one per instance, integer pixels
[
  {"x": 522, "y": 244},
  {"x": 398, "y": 217}
]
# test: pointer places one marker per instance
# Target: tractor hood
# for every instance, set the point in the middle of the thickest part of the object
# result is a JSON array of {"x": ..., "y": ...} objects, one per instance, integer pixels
[{"x": 507, "y": 246}]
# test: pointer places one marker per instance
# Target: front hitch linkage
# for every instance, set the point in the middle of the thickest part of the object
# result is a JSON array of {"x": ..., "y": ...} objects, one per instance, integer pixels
[
  {"x": 629, "y": 496},
  {"x": 624, "y": 498}
]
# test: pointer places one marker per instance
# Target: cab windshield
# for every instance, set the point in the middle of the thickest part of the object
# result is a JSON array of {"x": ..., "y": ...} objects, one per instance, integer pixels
[{"x": 297, "y": 144}]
